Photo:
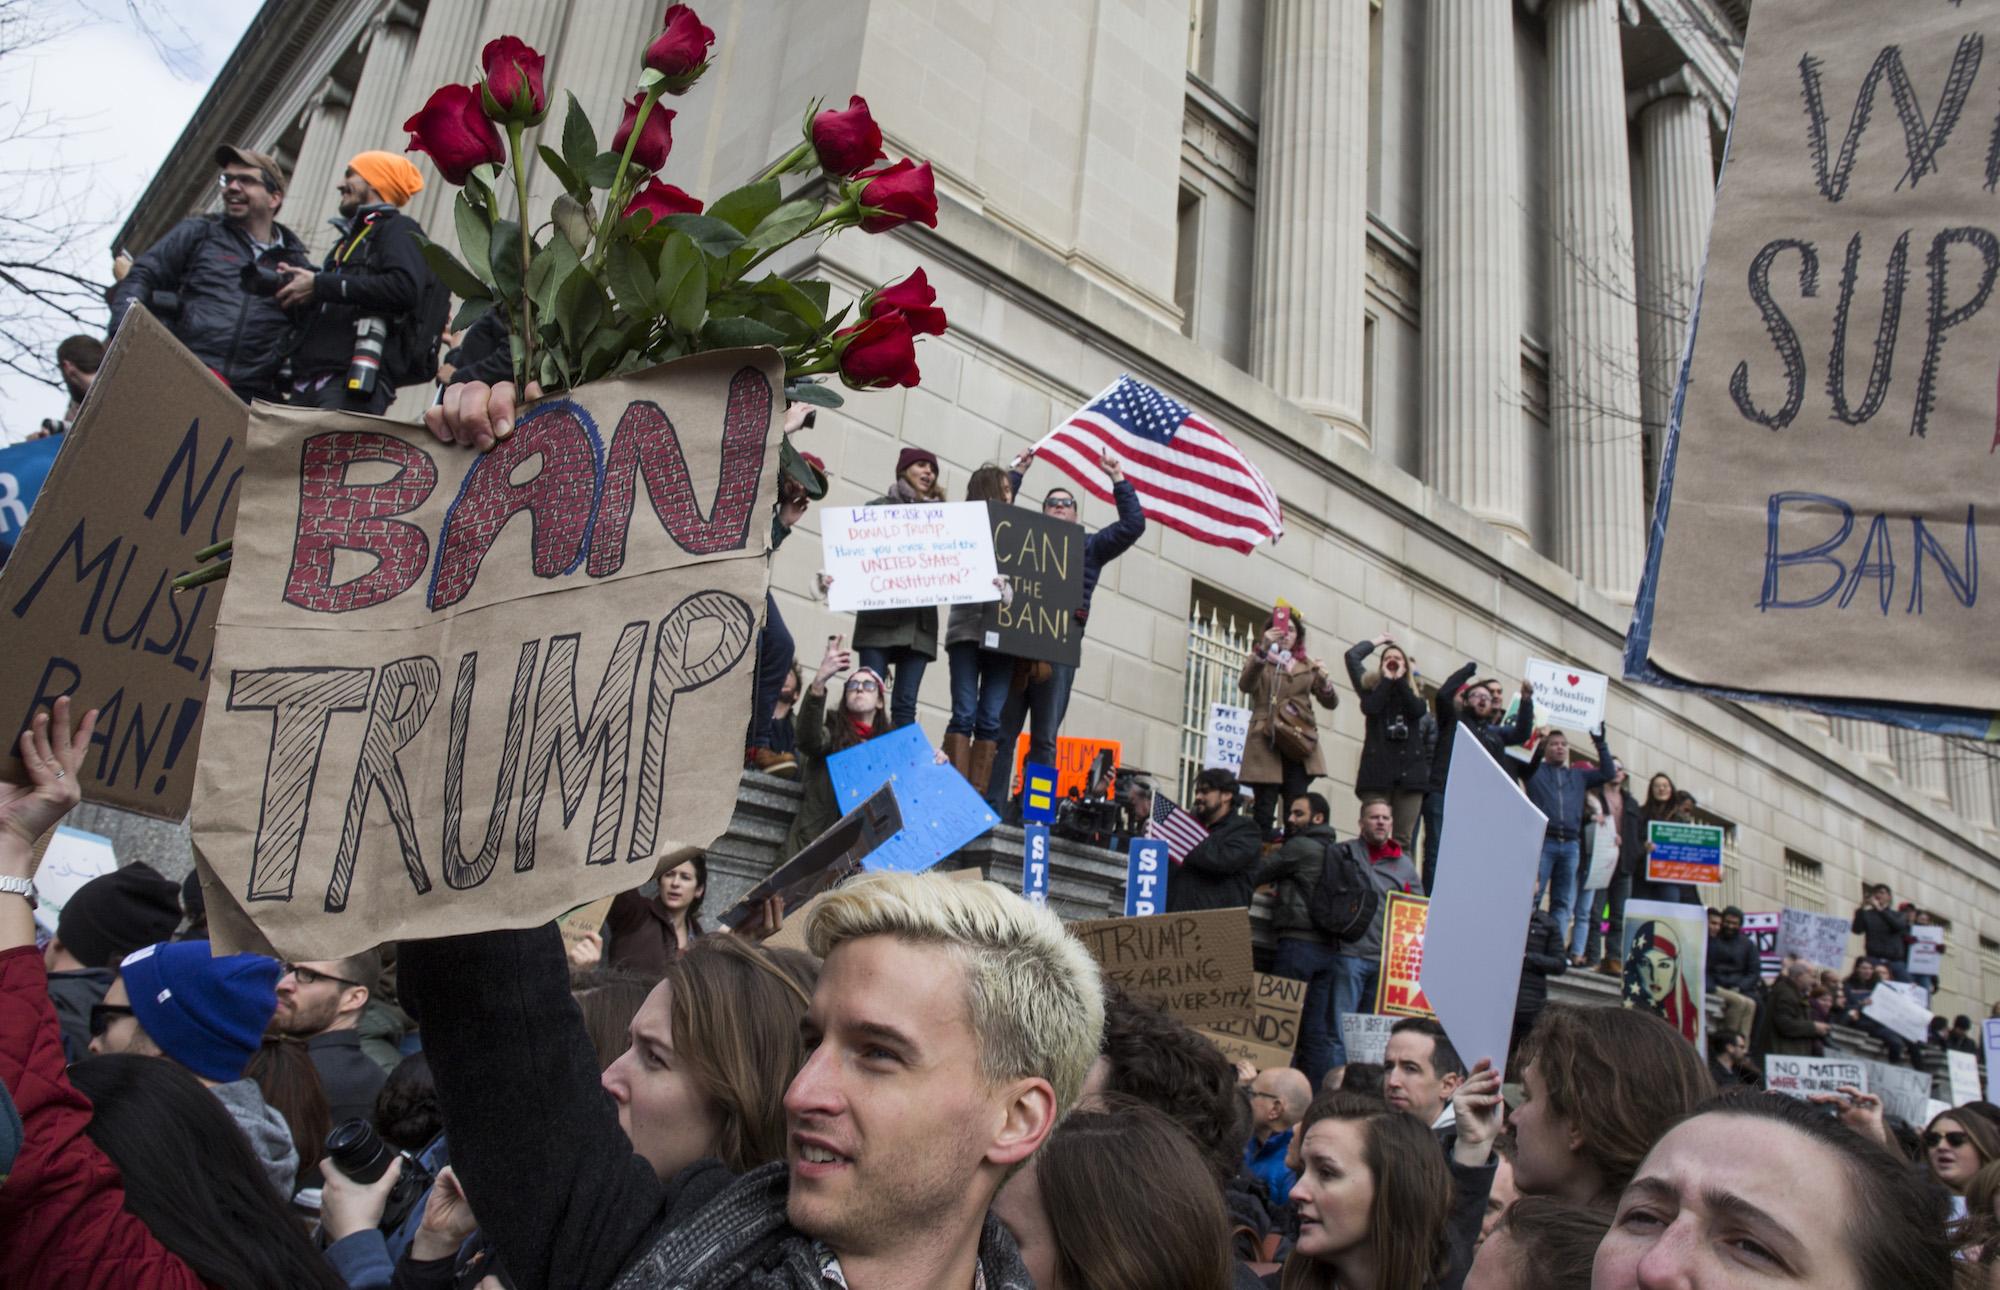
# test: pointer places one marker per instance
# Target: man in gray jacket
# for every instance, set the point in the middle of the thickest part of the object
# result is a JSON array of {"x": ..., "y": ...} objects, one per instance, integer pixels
[{"x": 1357, "y": 965}]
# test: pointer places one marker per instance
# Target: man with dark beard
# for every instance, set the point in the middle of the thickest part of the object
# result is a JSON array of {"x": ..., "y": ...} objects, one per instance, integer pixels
[{"x": 322, "y": 1003}]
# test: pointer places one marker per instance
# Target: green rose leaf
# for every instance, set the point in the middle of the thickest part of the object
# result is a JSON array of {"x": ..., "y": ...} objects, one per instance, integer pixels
[
  {"x": 571, "y": 181},
  {"x": 788, "y": 295},
  {"x": 731, "y": 333},
  {"x": 745, "y": 208},
  {"x": 573, "y": 219},
  {"x": 580, "y": 307},
  {"x": 455, "y": 276},
  {"x": 546, "y": 275},
  {"x": 713, "y": 236},
  {"x": 682, "y": 290},
  {"x": 469, "y": 313},
  {"x": 817, "y": 395},
  {"x": 474, "y": 237},
  {"x": 783, "y": 225},
  {"x": 602, "y": 169},
  {"x": 579, "y": 141},
  {"x": 631, "y": 280},
  {"x": 507, "y": 265}
]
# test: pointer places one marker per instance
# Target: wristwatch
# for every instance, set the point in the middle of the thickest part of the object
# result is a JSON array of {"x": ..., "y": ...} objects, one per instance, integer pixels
[{"x": 22, "y": 887}]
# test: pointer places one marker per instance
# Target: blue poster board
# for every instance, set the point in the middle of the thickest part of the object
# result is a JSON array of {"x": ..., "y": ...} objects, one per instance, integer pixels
[
  {"x": 1035, "y": 863},
  {"x": 1146, "y": 877},
  {"x": 941, "y": 812},
  {"x": 23, "y": 467}
]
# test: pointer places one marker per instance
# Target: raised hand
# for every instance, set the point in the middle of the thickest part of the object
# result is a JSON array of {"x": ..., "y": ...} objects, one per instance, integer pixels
[{"x": 51, "y": 753}]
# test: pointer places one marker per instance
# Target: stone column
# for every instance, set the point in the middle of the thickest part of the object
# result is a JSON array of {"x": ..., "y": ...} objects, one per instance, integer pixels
[
  {"x": 1472, "y": 285},
  {"x": 1594, "y": 413},
  {"x": 601, "y": 48},
  {"x": 310, "y": 199},
  {"x": 1674, "y": 203},
  {"x": 1869, "y": 738},
  {"x": 1312, "y": 207},
  {"x": 372, "y": 121},
  {"x": 1920, "y": 761},
  {"x": 446, "y": 52},
  {"x": 1968, "y": 773}
]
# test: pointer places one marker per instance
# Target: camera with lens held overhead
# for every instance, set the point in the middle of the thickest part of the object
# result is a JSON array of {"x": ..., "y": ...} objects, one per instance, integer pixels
[
  {"x": 359, "y": 1153},
  {"x": 261, "y": 276},
  {"x": 1096, "y": 815}
]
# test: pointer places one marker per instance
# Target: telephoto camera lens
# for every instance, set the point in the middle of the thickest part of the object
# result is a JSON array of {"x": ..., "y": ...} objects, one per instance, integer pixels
[
  {"x": 358, "y": 1151},
  {"x": 366, "y": 365}
]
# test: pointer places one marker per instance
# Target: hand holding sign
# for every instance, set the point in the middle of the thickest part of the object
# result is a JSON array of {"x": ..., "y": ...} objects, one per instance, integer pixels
[{"x": 1567, "y": 696}]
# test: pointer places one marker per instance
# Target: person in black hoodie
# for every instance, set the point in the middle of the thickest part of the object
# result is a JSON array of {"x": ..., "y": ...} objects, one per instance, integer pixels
[
  {"x": 103, "y": 921},
  {"x": 1445, "y": 706},
  {"x": 1542, "y": 959},
  {"x": 1216, "y": 872},
  {"x": 1885, "y": 931},
  {"x": 1393, "y": 766}
]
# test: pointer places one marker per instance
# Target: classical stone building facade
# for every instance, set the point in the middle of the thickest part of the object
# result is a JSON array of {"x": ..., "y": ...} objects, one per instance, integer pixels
[{"x": 1429, "y": 259}]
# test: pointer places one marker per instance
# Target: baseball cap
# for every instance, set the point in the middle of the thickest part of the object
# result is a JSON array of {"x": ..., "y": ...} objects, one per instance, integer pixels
[{"x": 263, "y": 162}]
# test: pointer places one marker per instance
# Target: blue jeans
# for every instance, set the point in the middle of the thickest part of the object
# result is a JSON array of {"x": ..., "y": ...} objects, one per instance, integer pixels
[
  {"x": 909, "y": 666},
  {"x": 1353, "y": 991},
  {"x": 979, "y": 680},
  {"x": 1557, "y": 876},
  {"x": 1042, "y": 707},
  {"x": 1588, "y": 905},
  {"x": 775, "y": 651},
  {"x": 1433, "y": 821},
  {"x": 1315, "y": 964}
]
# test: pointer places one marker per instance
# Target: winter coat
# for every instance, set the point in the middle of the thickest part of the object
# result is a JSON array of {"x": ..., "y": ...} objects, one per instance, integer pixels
[
  {"x": 1544, "y": 957},
  {"x": 270, "y": 1137},
  {"x": 1497, "y": 735},
  {"x": 1883, "y": 932},
  {"x": 63, "y": 1221},
  {"x": 1216, "y": 874},
  {"x": 1391, "y": 873},
  {"x": 1733, "y": 963},
  {"x": 1109, "y": 542},
  {"x": 381, "y": 275},
  {"x": 1296, "y": 867},
  {"x": 893, "y": 629},
  {"x": 1557, "y": 791},
  {"x": 1444, "y": 705},
  {"x": 563, "y": 1196},
  {"x": 1390, "y": 762},
  {"x": 349, "y": 1076},
  {"x": 74, "y": 994},
  {"x": 242, "y": 337},
  {"x": 1786, "y": 1025},
  {"x": 640, "y": 934},
  {"x": 819, "y": 808},
  {"x": 1269, "y": 687}
]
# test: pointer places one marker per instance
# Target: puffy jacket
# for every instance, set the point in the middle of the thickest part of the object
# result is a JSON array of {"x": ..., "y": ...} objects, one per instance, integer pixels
[
  {"x": 1109, "y": 542},
  {"x": 1444, "y": 706},
  {"x": 62, "y": 1211},
  {"x": 1557, "y": 791},
  {"x": 241, "y": 336},
  {"x": 1388, "y": 764},
  {"x": 1733, "y": 963},
  {"x": 1217, "y": 871},
  {"x": 375, "y": 269},
  {"x": 1295, "y": 867},
  {"x": 1544, "y": 957},
  {"x": 1882, "y": 932}
]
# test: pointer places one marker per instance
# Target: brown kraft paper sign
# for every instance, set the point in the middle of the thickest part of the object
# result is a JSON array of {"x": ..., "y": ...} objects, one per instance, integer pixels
[
  {"x": 1836, "y": 475},
  {"x": 456, "y": 691},
  {"x": 1194, "y": 965},
  {"x": 147, "y": 476}
]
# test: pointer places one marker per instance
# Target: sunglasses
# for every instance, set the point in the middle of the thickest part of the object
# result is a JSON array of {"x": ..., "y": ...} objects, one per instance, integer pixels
[
  {"x": 225, "y": 182},
  {"x": 1956, "y": 1141},
  {"x": 103, "y": 1014},
  {"x": 306, "y": 976},
  {"x": 1059, "y": 503},
  {"x": 867, "y": 687}
]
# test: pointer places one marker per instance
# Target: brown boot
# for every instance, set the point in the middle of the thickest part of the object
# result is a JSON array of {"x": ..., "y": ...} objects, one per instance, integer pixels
[
  {"x": 958, "y": 751},
  {"x": 984, "y": 751},
  {"x": 1612, "y": 966},
  {"x": 783, "y": 765}
]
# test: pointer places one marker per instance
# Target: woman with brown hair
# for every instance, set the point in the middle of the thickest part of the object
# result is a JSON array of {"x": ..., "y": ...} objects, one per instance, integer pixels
[
  {"x": 1374, "y": 1201},
  {"x": 648, "y": 932},
  {"x": 858, "y": 715},
  {"x": 1602, "y": 1085},
  {"x": 1281, "y": 754},
  {"x": 1395, "y": 766},
  {"x": 286, "y": 1076},
  {"x": 1957, "y": 1145},
  {"x": 1118, "y": 1198},
  {"x": 902, "y": 642}
]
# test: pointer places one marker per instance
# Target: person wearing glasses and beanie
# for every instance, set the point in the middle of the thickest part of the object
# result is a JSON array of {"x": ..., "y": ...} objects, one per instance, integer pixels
[
  {"x": 106, "y": 919},
  {"x": 860, "y": 715},
  {"x": 322, "y": 1003},
  {"x": 229, "y": 314}
]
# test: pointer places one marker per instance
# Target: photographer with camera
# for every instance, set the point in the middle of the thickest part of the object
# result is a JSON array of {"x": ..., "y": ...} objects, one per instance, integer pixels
[
  {"x": 219, "y": 268},
  {"x": 1395, "y": 765},
  {"x": 374, "y": 311}
]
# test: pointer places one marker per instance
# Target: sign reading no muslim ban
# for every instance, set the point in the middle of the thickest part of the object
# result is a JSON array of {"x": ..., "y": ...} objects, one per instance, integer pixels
[
  {"x": 149, "y": 475},
  {"x": 455, "y": 691},
  {"x": 1830, "y": 471},
  {"x": 1044, "y": 559},
  {"x": 1567, "y": 696},
  {"x": 907, "y": 557},
  {"x": 1194, "y": 965}
]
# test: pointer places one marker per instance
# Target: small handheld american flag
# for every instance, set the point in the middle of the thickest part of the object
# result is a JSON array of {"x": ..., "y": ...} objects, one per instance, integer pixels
[
  {"x": 1188, "y": 476},
  {"x": 1175, "y": 827}
]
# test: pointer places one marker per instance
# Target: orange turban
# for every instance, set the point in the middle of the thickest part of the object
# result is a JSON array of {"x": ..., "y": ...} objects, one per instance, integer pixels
[{"x": 388, "y": 174}]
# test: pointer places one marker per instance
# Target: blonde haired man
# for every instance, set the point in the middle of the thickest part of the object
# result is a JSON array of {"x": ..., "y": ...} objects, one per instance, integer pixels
[{"x": 952, "y": 1026}]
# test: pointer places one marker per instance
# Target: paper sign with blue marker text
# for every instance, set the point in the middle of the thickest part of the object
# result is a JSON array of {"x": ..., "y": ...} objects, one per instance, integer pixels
[
  {"x": 1819, "y": 939},
  {"x": 1801, "y": 1077},
  {"x": 1145, "y": 877},
  {"x": 1567, "y": 696},
  {"x": 907, "y": 557},
  {"x": 1228, "y": 727},
  {"x": 941, "y": 812},
  {"x": 1194, "y": 965}
]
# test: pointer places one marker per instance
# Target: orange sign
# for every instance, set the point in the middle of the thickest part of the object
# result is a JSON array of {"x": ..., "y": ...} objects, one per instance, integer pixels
[
  {"x": 1073, "y": 758},
  {"x": 1397, "y": 993}
]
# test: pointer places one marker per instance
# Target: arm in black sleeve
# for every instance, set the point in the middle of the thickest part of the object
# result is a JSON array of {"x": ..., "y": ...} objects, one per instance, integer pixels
[
  {"x": 1525, "y": 771},
  {"x": 1445, "y": 703},
  {"x": 534, "y": 1137},
  {"x": 159, "y": 269},
  {"x": 1225, "y": 853},
  {"x": 485, "y": 353},
  {"x": 1604, "y": 773},
  {"x": 1523, "y": 724},
  {"x": 1470, "y": 1186},
  {"x": 1356, "y": 655},
  {"x": 1858, "y": 926},
  {"x": 387, "y": 282}
]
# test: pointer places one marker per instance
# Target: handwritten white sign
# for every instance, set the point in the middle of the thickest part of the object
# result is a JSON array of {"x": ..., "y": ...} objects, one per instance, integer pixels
[
  {"x": 1228, "y": 727},
  {"x": 1801, "y": 1077},
  {"x": 1567, "y": 696},
  {"x": 74, "y": 857},
  {"x": 1899, "y": 1012},
  {"x": 1964, "y": 1072},
  {"x": 1926, "y": 951},
  {"x": 1366, "y": 1036},
  {"x": 1819, "y": 939},
  {"x": 907, "y": 557}
]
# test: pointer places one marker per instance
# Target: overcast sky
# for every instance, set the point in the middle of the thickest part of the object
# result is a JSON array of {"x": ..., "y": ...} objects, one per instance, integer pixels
[{"x": 125, "y": 89}]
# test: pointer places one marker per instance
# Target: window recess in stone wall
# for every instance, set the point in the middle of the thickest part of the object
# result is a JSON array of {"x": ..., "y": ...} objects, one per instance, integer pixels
[
  {"x": 1220, "y": 631},
  {"x": 1805, "y": 883},
  {"x": 1187, "y": 255},
  {"x": 1989, "y": 967}
]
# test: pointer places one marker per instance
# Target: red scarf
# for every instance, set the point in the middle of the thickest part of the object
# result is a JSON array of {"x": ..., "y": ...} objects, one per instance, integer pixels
[
  {"x": 1389, "y": 850},
  {"x": 862, "y": 729}
]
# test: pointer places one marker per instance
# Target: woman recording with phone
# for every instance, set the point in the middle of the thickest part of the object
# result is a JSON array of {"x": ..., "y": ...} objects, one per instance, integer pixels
[
  {"x": 1281, "y": 753},
  {"x": 858, "y": 715}
]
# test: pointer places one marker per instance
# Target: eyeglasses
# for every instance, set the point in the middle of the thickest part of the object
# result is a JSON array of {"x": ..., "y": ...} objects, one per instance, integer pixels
[
  {"x": 307, "y": 976},
  {"x": 226, "y": 181},
  {"x": 867, "y": 687},
  {"x": 1955, "y": 1141},
  {"x": 103, "y": 1014}
]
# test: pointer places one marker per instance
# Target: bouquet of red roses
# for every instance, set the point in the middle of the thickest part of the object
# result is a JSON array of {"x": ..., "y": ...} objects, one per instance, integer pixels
[{"x": 626, "y": 270}]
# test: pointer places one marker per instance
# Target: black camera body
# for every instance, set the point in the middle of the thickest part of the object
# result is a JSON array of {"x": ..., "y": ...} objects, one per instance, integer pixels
[
  {"x": 260, "y": 277},
  {"x": 359, "y": 1152}
]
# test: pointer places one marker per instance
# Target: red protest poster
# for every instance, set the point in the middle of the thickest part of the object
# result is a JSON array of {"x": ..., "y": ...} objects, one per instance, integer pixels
[
  {"x": 1397, "y": 993},
  {"x": 1073, "y": 758}
]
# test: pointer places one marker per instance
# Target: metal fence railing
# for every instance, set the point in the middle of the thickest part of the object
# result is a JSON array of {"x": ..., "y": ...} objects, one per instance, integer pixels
[{"x": 1219, "y": 636}]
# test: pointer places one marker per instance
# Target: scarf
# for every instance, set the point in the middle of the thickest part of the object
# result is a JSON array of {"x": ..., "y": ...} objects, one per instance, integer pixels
[
  {"x": 742, "y": 1240},
  {"x": 1389, "y": 850},
  {"x": 862, "y": 729},
  {"x": 903, "y": 495}
]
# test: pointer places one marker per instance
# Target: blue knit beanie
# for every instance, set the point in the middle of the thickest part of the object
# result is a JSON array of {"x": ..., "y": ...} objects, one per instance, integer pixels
[{"x": 206, "y": 1013}]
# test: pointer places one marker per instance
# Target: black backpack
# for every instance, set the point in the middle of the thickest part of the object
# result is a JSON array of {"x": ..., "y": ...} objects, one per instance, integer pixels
[
  {"x": 1343, "y": 902},
  {"x": 411, "y": 355}
]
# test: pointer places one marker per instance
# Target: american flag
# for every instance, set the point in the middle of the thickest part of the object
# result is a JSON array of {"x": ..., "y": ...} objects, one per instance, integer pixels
[
  {"x": 1175, "y": 827},
  {"x": 1187, "y": 475}
]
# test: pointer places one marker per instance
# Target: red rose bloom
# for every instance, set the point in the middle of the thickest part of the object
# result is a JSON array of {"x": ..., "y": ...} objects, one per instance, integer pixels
[
  {"x": 914, "y": 300},
  {"x": 877, "y": 353},
  {"x": 680, "y": 51},
  {"x": 846, "y": 141},
  {"x": 514, "y": 79},
  {"x": 896, "y": 195},
  {"x": 452, "y": 127},
  {"x": 655, "y": 141},
  {"x": 661, "y": 200}
]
